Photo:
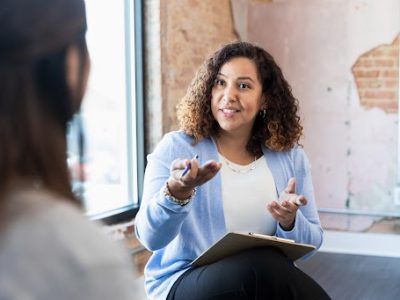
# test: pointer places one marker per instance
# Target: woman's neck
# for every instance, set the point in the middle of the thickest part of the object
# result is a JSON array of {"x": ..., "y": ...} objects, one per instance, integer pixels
[{"x": 234, "y": 148}]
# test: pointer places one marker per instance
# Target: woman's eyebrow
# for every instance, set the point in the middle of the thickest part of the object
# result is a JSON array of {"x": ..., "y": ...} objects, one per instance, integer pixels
[
  {"x": 245, "y": 78},
  {"x": 239, "y": 78}
]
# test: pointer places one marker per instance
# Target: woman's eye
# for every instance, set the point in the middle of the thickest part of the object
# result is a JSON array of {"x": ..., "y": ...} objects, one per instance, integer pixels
[
  {"x": 244, "y": 86},
  {"x": 219, "y": 82}
]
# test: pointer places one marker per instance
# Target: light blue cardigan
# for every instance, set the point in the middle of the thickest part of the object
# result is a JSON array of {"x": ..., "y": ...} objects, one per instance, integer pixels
[{"x": 177, "y": 235}]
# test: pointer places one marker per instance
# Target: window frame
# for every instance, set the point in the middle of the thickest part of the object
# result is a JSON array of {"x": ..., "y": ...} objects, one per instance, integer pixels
[{"x": 128, "y": 212}]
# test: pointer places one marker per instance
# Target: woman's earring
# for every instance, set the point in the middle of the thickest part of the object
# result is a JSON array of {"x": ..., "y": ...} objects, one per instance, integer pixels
[{"x": 263, "y": 114}]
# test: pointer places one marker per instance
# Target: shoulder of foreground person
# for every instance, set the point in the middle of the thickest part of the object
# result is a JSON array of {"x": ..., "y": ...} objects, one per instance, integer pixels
[{"x": 56, "y": 253}]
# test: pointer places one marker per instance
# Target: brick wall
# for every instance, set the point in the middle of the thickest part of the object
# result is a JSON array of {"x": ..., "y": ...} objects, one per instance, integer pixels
[
  {"x": 190, "y": 31},
  {"x": 377, "y": 77}
]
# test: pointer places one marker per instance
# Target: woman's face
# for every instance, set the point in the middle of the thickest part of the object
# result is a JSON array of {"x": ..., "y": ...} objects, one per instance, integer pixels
[
  {"x": 77, "y": 81},
  {"x": 236, "y": 96}
]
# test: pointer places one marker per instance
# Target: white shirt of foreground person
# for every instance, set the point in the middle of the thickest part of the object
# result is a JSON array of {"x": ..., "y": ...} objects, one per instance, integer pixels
[{"x": 49, "y": 250}]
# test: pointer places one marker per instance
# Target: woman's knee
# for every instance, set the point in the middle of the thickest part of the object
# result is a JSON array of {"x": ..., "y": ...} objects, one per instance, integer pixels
[
  {"x": 265, "y": 259},
  {"x": 261, "y": 265}
]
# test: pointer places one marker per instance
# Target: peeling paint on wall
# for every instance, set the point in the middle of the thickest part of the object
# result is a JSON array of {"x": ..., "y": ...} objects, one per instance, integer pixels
[{"x": 376, "y": 75}]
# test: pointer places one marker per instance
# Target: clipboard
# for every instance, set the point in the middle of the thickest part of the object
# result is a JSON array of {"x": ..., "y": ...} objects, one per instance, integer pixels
[{"x": 234, "y": 242}]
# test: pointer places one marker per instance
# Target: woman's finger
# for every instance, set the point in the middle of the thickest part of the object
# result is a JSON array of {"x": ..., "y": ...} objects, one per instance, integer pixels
[
  {"x": 282, "y": 213},
  {"x": 301, "y": 200},
  {"x": 208, "y": 171},
  {"x": 179, "y": 164}
]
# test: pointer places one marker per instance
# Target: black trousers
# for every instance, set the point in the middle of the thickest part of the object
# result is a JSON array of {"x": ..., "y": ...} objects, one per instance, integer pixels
[{"x": 261, "y": 273}]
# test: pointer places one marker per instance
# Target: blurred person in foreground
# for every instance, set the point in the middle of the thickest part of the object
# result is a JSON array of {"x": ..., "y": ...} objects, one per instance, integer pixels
[
  {"x": 48, "y": 249},
  {"x": 240, "y": 125}
]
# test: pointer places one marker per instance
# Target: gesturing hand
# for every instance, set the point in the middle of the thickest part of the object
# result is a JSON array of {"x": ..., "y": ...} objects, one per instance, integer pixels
[
  {"x": 284, "y": 210},
  {"x": 180, "y": 186}
]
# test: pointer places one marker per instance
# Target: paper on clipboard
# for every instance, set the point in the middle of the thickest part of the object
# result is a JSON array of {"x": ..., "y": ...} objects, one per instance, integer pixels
[{"x": 234, "y": 242}]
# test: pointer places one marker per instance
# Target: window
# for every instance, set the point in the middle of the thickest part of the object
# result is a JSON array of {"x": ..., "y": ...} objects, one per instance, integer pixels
[{"x": 111, "y": 111}]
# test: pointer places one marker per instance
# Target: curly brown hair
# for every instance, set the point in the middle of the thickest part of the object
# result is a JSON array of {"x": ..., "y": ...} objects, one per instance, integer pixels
[{"x": 279, "y": 129}]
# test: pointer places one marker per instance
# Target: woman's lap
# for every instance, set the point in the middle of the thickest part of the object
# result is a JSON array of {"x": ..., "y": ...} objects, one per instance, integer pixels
[{"x": 261, "y": 273}]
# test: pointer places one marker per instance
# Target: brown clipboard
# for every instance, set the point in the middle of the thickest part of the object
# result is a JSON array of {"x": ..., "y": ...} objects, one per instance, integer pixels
[{"x": 234, "y": 242}]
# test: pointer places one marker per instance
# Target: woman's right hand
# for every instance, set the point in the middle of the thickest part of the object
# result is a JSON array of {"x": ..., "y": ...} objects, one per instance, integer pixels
[{"x": 181, "y": 187}]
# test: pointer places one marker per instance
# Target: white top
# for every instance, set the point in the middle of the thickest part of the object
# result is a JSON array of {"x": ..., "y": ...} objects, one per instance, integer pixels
[{"x": 246, "y": 190}]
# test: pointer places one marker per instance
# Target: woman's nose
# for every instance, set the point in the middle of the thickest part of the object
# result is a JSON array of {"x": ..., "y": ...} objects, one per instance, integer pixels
[{"x": 230, "y": 94}]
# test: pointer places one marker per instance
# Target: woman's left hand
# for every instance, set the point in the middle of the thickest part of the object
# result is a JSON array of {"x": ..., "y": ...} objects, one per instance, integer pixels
[{"x": 284, "y": 210}]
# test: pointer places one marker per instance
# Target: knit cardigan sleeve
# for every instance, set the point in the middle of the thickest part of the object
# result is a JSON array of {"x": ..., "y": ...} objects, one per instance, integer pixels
[
  {"x": 159, "y": 220},
  {"x": 307, "y": 227}
]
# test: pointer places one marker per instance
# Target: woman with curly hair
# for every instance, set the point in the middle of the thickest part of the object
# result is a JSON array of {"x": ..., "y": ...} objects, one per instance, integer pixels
[{"x": 239, "y": 122}]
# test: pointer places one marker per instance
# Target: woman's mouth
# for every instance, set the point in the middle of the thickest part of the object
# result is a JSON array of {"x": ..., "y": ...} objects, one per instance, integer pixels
[{"x": 229, "y": 112}]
